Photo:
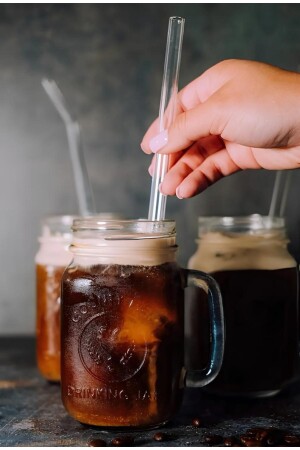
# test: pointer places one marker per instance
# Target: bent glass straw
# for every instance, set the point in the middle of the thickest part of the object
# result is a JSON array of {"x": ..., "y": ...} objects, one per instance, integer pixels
[
  {"x": 82, "y": 183},
  {"x": 167, "y": 109}
]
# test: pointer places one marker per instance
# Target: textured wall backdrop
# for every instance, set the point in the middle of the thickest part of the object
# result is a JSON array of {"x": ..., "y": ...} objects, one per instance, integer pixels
[{"x": 108, "y": 61}]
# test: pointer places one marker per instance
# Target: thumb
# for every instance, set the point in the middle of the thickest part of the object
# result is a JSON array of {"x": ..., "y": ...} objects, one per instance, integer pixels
[{"x": 208, "y": 118}]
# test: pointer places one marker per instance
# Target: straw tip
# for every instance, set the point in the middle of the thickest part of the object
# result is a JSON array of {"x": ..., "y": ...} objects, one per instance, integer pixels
[{"x": 177, "y": 18}]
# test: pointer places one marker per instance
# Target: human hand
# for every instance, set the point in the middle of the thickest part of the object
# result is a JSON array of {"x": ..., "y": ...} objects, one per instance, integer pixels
[{"x": 236, "y": 115}]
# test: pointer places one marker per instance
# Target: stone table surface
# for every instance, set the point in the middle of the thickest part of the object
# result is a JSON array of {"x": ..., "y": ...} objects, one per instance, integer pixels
[{"x": 31, "y": 412}]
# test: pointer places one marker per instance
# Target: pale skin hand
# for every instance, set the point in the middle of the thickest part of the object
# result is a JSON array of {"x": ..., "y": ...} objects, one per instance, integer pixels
[{"x": 236, "y": 115}]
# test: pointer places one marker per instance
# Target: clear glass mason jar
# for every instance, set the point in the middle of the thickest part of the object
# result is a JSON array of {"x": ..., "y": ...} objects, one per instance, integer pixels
[
  {"x": 258, "y": 278},
  {"x": 122, "y": 324},
  {"x": 52, "y": 258}
]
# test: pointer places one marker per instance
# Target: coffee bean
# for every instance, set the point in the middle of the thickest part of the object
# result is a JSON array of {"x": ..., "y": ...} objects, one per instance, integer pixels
[
  {"x": 265, "y": 436},
  {"x": 159, "y": 437},
  {"x": 213, "y": 439},
  {"x": 254, "y": 431},
  {"x": 196, "y": 422},
  {"x": 258, "y": 433},
  {"x": 122, "y": 441},
  {"x": 230, "y": 442},
  {"x": 262, "y": 435},
  {"x": 97, "y": 443},
  {"x": 250, "y": 441},
  {"x": 251, "y": 433},
  {"x": 292, "y": 439}
]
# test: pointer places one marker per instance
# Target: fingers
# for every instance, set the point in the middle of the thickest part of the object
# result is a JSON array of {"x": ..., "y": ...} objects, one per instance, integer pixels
[
  {"x": 180, "y": 170},
  {"x": 221, "y": 164},
  {"x": 229, "y": 102},
  {"x": 152, "y": 166},
  {"x": 189, "y": 126},
  {"x": 194, "y": 94},
  {"x": 206, "y": 162},
  {"x": 182, "y": 164},
  {"x": 264, "y": 158},
  {"x": 211, "y": 170},
  {"x": 172, "y": 160},
  {"x": 232, "y": 99},
  {"x": 153, "y": 130}
]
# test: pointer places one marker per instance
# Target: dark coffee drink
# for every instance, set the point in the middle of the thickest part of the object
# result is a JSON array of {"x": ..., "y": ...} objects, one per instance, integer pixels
[
  {"x": 261, "y": 350},
  {"x": 122, "y": 315},
  {"x": 125, "y": 323},
  {"x": 258, "y": 280}
]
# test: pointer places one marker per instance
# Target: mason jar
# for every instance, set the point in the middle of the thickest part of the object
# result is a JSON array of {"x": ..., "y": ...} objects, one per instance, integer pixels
[
  {"x": 52, "y": 258},
  {"x": 258, "y": 279},
  {"x": 122, "y": 324}
]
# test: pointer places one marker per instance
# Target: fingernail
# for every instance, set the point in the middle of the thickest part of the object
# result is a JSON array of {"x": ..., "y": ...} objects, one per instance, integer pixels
[
  {"x": 150, "y": 170},
  {"x": 159, "y": 141},
  {"x": 160, "y": 190},
  {"x": 178, "y": 195}
]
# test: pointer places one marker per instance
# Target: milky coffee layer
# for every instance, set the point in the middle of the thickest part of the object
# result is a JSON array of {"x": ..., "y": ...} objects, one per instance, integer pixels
[
  {"x": 146, "y": 251},
  {"x": 137, "y": 252},
  {"x": 221, "y": 251}
]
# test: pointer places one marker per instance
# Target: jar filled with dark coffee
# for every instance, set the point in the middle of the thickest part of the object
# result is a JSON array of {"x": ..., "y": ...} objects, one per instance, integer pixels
[
  {"x": 258, "y": 278},
  {"x": 122, "y": 324}
]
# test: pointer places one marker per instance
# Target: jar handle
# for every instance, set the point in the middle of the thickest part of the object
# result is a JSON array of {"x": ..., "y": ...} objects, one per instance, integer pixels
[{"x": 199, "y": 378}]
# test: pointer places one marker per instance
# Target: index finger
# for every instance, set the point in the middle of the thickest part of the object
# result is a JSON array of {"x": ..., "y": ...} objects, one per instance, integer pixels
[{"x": 195, "y": 93}]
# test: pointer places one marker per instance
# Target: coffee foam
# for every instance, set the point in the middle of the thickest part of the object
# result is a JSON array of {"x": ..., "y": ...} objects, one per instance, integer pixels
[
  {"x": 54, "y": 250},
  {"x": 224, "y": 251},
  {"x": 144, "y": 251}
]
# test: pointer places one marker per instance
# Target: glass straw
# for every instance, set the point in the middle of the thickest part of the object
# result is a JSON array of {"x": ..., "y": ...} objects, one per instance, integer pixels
[
  {"x": 280, "y": 193},
  {"x": 82, "y": 183},
  {"x": 167, "y": 109}
]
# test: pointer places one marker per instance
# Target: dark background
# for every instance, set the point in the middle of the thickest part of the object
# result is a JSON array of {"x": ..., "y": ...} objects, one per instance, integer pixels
[{"x": 108, "y": 61}]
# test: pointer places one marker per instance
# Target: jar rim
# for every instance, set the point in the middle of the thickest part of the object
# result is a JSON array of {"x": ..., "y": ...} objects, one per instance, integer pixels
[
  {"x": 128, "y": 228},
  {"x": 56, "y": 227},
  {"x": 253, "y": 223},
  {"x": 60, "y": 225},
  {"x": 63, "y": 219}
]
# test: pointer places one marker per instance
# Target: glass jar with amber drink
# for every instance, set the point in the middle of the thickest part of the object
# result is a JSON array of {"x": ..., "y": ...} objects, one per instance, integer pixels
[
  {"x": 122, "y": 324},
  {"x": 51, "y": 260}
]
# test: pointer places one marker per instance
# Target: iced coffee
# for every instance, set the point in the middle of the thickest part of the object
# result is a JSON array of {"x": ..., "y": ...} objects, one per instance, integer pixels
[
  {"x": 258, "y": 278},
  {"x": 51, "y": 260},
  {"x": 122, "y": 324}
]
